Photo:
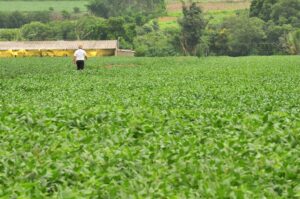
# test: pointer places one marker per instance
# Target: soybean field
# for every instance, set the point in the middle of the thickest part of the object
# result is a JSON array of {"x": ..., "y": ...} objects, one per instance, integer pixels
[{"x": 177, "y": 127}]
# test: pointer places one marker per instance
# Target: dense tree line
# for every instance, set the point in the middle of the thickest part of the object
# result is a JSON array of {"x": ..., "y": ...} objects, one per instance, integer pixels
[
  {"x": 278, "y": 11},
  {"x": 270, "y": 27},
  {"x": 17, "y": 19},
  {"x": 86, "y": 28}
]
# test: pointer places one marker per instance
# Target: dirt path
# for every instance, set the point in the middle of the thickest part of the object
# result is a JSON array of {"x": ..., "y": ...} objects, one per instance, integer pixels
[{"x": 232, "y": 5}]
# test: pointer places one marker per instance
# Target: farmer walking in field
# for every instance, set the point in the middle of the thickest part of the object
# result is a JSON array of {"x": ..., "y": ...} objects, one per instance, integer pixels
[{"x": 79, "y": 58}]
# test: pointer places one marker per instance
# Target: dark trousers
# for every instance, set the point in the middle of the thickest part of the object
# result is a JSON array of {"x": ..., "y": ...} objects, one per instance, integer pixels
[{"x": 80, "y": 64}]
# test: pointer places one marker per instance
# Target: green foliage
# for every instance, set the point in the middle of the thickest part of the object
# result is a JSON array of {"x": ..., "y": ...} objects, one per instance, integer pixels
[
  {"x": 85, "y": 28},
  {"x": 105, "y": 29},
  {"x": 51, "y": 9},
  {"x": 150, "y": 128},
  {"x": 155, "y": 44},
  {"x": 292, "y": 42},
  {"x": 76, "y": 10},
  {"x": 237, "y": 36},
  {"x": 17, "y": 19},
  {"x": 10, "y": 34},
  {"x": 36, "y": 31},
  {"x": 111, "y": 8},
  {"x": 279, "y": 11},
  {"x": 192, "y": 27},
  {"x": 282, "y": 17},
  {"x": 90, "y": 28},
  {"x": 243, "y": 34},
  {"x": 64, "y": 30},
  {"x": 275, "y": 38},
  {"x": 65, "y": 14},
  {"x": 262, "y": 8},
  {"x": 132, "y": 23},
  {"x": 218, "y": 16},
  {"x": 99, "y": 8},
  {"x": 287, "y": 12},
  {"x": 169, "y": 24}
]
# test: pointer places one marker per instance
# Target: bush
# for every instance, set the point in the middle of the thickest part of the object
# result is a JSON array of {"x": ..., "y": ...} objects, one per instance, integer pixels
[
  {"x": 76, "y": 10},
  {"x": 242, "y": 35},
  {"x": 18, "y": 19},
  {"x": 63, "y": 30},
  {"x": 36, "y": 31},
  {"x": 10, "y": 35},
  {"x": 65, "y": 14},
  {"x": 154, "y": 44}
]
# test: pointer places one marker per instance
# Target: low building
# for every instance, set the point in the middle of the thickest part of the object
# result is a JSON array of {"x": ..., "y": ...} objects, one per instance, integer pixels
[{"x": 59, "y": 48}]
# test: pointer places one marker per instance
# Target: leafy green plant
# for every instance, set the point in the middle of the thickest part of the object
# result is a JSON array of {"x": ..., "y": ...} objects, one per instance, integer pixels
[{"x": 178, "y": 127}]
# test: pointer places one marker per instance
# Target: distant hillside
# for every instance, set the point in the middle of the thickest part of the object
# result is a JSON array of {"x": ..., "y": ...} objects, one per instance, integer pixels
[
  {"x": 41, "y": 5},
  {"x": 207, "y": 5},
  {"x": 215, "y": 10}
]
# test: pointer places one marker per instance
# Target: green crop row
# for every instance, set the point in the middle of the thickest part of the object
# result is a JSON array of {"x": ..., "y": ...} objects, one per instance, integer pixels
[{"x": 150, "y": 128}]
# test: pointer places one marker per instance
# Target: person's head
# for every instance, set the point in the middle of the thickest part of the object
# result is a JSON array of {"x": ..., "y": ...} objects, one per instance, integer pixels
[{"x": 80, "y": 46}]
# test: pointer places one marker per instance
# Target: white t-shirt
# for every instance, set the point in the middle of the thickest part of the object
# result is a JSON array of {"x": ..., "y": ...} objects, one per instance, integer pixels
[{"x": 80, "y": 55}]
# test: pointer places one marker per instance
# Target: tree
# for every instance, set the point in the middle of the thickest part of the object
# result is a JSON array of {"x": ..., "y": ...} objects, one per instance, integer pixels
[
  {"x": 154, "y": 44},
  {"x": 262, "y": 9},
  {"x": 36, "y": 31},
  {"x": 192, "y": 27},
  {"x": 4, "y": 20},
  {"x": 275, "y": 35},
  {"x": 286, "y": 12},
  {"x": 292, "y": 43},
  {"x": 88, "y": 28},
  {"x": 63, "y": 30},
  {"x": 40, "y": 16},
  {"x": 17, "y": 19},
  {"x": 111, "y": 8},
  {"x": 243, "y": 35},
  {"x": 99, "y": 8},
  {"x": 279, "y": 11},
  {"x": 218, "y": 40}
]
